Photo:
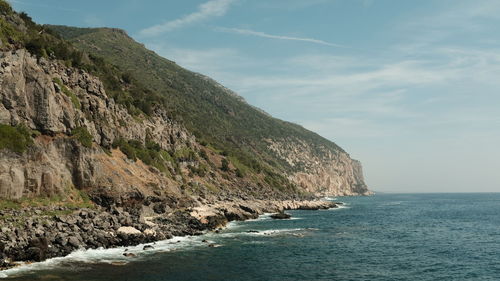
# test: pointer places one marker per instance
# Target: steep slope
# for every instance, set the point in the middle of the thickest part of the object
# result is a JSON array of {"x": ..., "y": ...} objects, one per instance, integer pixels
[
  {"x": 74, "y": 128},
  {"x": 60, "y": 131},
  {"x": 99, "y": 155},
  {"x": 223, "y": 119}
]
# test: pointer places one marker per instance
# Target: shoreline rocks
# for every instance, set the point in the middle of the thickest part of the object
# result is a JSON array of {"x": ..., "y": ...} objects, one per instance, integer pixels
[
  {"x": 36, "y": 234},
  {"x": 281, "y": 216}
]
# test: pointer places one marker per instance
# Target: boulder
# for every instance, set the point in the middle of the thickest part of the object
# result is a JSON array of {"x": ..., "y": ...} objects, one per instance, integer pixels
[
  {"x": 149, "y": 232},
  {"x": 128, "y": 230},
  {"x": 281, "y": 216},
  {"x": 37, "y": 249},
  {"x": 74, "y": 242}
]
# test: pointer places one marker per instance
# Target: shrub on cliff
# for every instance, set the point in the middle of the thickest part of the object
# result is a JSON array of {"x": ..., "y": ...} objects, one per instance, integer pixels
[
  {"x": 8, "y": 33},
  {"x": 5, "y": 8},
  {"x": 185, "y": 154},
  {"x": 16, "y": 139},
  {"x": 83, "y": 136},
  {"x": 151, "y": 154},
  {"x": 225, "y": 165},
  {"x": 68, "y": 92}
]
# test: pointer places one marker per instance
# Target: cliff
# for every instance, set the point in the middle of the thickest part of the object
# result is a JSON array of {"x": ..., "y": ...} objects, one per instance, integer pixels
[
  {"x": 142, "y": 114},
  {"x": 60, "y": 106},
  {"x": 220, "y": 117},
  {"x": 100, "y": 152},
  {"x": 83, "y": 116},
  {"x": 33, "y": 95},
  {"x": 321, "y": 172}
]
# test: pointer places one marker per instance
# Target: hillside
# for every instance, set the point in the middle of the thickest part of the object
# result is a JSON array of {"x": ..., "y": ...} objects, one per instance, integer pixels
[
  {"x": 221, "y": 118},
  {"x": 101, "y": 151}
]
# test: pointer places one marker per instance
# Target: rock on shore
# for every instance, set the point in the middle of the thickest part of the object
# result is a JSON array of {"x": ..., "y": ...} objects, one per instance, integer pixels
[{"x": 36, "y": 234}]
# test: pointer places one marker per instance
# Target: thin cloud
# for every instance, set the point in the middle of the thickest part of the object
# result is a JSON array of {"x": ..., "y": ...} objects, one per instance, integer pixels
[
  {"x": 93, "y": 21},
  {"x": 213, "y": 8},
  {"x": 279, "y": 37}
]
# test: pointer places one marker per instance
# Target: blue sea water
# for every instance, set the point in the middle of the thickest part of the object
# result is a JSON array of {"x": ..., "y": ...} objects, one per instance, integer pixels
[{"x": 383, "y": 237}]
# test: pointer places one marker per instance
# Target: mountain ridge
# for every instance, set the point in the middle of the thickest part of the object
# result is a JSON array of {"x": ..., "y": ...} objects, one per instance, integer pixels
[
  {"x": 101, "y": 151},
  {"x": 98, "y": 41}
]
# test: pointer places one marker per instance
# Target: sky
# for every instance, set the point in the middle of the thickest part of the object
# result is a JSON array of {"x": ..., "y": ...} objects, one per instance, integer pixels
[{"x": 410, "y": 88}]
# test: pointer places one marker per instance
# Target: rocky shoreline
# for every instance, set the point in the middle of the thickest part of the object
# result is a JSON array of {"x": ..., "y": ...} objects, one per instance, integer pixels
[{"x": 38, "y": 233}]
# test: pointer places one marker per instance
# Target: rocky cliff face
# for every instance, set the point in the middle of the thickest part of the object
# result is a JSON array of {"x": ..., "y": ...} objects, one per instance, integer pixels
[
  {"x": 31, "y": 95},
  {"x": 303, "y": 157},
  {"x": 320, "y": 170},
  {"x": 40, "y": 94},
  {"x": 89, "y": 171}
]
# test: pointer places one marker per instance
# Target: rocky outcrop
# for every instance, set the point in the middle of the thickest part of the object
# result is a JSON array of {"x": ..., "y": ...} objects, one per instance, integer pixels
[
  {"x": 30, "y": 96},
  {"x": 308, "y": 160},
  {"x": 97, "y": 173},
  {"x": 35, "y": 234},
  {"x": 319, "y": 169},
  {"x": 242, "y": 209},
  {"x": 281, "y": 216}
]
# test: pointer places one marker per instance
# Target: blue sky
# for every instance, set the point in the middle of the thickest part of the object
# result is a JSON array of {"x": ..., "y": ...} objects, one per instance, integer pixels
[{"x": 410, "y": 88}]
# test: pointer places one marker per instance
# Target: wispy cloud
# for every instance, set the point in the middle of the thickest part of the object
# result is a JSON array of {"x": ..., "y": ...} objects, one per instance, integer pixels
[
  {"x": 463, "y": 19},
  {"x": 432, "y": 94},
  {"x": 93, "y": 21},
  {"x": 213, "y": 8},
  {"x": 279, "y": 37}
]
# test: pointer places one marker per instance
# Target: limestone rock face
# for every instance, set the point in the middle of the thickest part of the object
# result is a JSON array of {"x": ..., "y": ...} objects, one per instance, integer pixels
[
  {"x": 129, "y": 230},
  {"x": 38, "y": 93},
  {"x": 320, "y": 170},
  {"x": 30, "y": 96},
  {"x": 56, "y": 162}
]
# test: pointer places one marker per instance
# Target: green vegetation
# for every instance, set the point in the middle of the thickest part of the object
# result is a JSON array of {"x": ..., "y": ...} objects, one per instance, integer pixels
[
  {"x": 279, "y": 182},
  {"x": 16, "y": 139},
  {"x": 185, "y": 154},
  {"x": 151, "y": 154},
  {"x": 8, "y": 33},
  {"x": 201, "y": 170},
  {"x": 241, "y": 170},
  {"x": 225, "y": 165},
  {"x": 67, "y": 92},
  {"x": 71, "y": 198},
  {"x": 43, "y": 42},
  {"x": 83, "y": 136},
  {"x": 5, "y": 8},
  {"x": 144, "y": 81},
  {"x": 218, "y": 117},
  {"x": 203, "y": 154},
  {"x": 38, "y": 40}
]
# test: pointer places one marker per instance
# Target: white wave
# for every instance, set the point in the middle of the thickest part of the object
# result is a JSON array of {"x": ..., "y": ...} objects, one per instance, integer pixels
[
  {"x": 394, "y": 203},
  {"x": 111, "y": 255},
  {"x": 263, "y": 217},
  {"x": 269, "y": 232},
  {"x": 339, "y": 207},
  {"x": 274, "y": 232},
  {"x": 116, "y": 255},
  {"x": 238, "y": 224},
  {"x": 256, "y": 242},
  {"x": 327, "y": 198}
]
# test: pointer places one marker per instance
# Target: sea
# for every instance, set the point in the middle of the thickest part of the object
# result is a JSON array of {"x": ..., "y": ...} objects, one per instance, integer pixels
[{"x": 381, "y": 237}]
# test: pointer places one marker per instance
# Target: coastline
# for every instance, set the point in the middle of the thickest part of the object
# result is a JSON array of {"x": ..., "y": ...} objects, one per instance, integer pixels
[{"x": 37, "y": 234}]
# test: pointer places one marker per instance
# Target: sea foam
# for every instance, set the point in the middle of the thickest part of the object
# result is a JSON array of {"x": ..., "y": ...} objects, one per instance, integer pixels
[{"x": 110, "y": 256}]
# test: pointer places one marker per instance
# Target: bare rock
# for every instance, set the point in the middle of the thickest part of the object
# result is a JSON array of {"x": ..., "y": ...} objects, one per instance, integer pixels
[
  {"x": 128, "y": 230},
  {"x": 281, "y": 216}
]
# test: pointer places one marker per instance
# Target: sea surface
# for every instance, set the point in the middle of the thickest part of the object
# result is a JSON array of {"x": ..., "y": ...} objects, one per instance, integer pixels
[{"x": 383, "y": 237}]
